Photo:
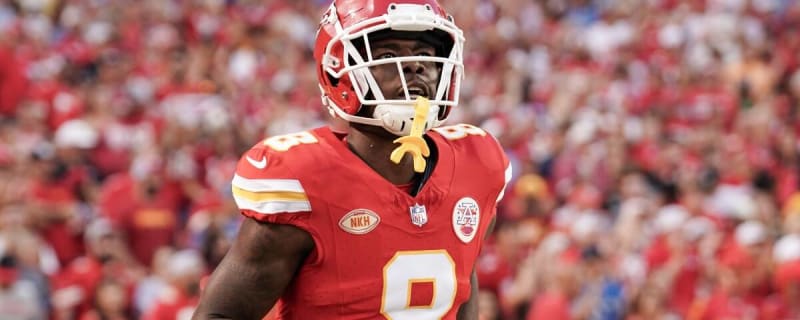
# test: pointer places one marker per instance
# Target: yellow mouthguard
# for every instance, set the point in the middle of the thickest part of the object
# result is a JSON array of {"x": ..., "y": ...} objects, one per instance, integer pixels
[{"x": 414, "y": 143}]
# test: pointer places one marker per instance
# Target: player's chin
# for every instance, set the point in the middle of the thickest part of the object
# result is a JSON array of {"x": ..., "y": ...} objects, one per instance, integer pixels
[
  {"x": 386, "y": 134},
  {"x": 374, "y": 130}
]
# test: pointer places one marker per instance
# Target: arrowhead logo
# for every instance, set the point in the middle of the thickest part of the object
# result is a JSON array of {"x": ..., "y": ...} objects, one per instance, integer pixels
[
  {"x": 258, "y": 164},
  {"x": 466, "y": 217}
]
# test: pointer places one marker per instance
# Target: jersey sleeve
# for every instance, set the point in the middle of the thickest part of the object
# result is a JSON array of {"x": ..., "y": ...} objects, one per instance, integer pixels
[
  {"x": 483, "y": 148},
  {"x": 500, "y": 174},
  {"x": 265, "y": 188},
  {"x": 481, "y": 155}
]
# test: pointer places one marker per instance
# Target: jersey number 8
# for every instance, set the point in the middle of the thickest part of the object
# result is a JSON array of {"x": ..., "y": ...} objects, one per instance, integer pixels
[
  {"x": 285, "y": 142},
  {"x": 407, "y": 268},
  {"x": 459, "y": 131}
]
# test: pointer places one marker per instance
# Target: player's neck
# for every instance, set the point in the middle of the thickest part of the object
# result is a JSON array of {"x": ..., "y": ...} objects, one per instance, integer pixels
[{"x": 375, "y": 149}]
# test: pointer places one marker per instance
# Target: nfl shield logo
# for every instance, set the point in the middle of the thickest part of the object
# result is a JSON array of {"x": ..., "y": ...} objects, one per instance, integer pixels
[{"x": 418, "y": 215}]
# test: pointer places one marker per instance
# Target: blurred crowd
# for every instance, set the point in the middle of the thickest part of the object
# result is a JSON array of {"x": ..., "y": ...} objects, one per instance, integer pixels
[{"x": 654, "y": 144}]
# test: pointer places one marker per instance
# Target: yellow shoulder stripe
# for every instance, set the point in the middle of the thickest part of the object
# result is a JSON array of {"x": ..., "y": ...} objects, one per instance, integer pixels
[{"x": 269, "y": 195}]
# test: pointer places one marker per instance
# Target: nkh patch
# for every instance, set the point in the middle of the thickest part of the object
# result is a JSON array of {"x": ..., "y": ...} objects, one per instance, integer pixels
[
  {"x": 359, "y": 221},
  {"x": 419, "y": 216},
  {"x": 466, "y": 215}
]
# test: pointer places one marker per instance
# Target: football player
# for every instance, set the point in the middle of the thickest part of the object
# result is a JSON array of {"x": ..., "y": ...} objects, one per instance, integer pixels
[{"x": 384, "y": 220}]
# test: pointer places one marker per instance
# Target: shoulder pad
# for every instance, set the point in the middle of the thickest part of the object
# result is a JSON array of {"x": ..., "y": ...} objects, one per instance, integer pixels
[
  {"x": 480, "y": 145},
  {"x": 265, "y": 183},
  {"x": 475, "y": 141},
  {"x": 460, "y": 131}
]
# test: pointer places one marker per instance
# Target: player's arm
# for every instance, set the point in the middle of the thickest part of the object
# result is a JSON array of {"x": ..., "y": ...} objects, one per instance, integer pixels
[
  {"x": 469, "y": 309},
  {"x": 255, "y": 272}
]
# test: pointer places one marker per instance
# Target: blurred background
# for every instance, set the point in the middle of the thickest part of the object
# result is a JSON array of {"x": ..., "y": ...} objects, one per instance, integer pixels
[{"x": 654, "y": 144}]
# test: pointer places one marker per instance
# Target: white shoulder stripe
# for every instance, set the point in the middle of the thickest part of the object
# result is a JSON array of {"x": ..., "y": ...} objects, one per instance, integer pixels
[
  {"x": 505, "y": 184},
  {"x": 273, "y": 207},
  {"x": 268, "y": 185}
]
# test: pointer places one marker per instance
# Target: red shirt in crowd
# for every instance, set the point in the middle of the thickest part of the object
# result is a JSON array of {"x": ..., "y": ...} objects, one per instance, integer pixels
[
  {"x": 173, "y": 304},
  {"x": 55, "y": 196},
  {"x": 550, "y": 305},
  {"x": 492, "y": 269},
  {"x": 682, "y": 290},
  {"x": 723, "y": 305},
  {"x": 12, "y": 82},
  {"x": 60, "y": 101},
  {"x": 149, "y": 221},
  {"x": 77, "y": 282}
]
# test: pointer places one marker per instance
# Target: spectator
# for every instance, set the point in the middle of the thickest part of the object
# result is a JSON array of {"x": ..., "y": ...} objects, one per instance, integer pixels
[
  {"x": 111, "y": 302},
  {"x": 144, "y": 203},
  {"x": 601, "y": 295},
  {"x": 150, "y": 287},
  {"x": 18, "y": 297},
  {"x": 107, "y": 257},
  {"x": 185, "y": 269}
]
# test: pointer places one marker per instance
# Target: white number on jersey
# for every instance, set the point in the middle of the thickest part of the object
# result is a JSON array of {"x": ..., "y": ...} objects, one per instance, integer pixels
[
  {"x": 408, "y": 267},
  {"x": 287, "y": 141},
  {"x": 459, "y": 131}
]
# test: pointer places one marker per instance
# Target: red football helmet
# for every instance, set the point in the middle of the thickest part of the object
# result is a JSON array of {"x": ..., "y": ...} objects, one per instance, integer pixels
[{"x": 344, "y": 76}]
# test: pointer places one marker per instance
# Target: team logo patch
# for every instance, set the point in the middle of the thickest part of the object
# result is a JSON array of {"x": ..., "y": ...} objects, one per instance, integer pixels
[
  {"x": 419, "y": 216},
  {"x": 466, "y": 215},
  {"x": 359, "y": 221}
]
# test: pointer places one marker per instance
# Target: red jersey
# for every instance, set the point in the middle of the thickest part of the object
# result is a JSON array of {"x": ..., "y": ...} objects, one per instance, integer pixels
[{"x": 380, "y": 252}]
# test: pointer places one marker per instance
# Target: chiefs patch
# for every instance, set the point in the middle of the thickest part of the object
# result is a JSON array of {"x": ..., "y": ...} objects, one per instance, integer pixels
[
  {"x": 466, "y": 215},
  {"x": 359, "y": 221}
]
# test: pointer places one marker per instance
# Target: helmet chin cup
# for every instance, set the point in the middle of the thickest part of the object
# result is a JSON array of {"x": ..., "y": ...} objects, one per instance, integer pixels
[{"x": 397, "y": 118}]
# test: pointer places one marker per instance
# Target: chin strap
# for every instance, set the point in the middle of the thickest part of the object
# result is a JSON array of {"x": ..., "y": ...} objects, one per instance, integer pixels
[{"x": 414, "y": 143}]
